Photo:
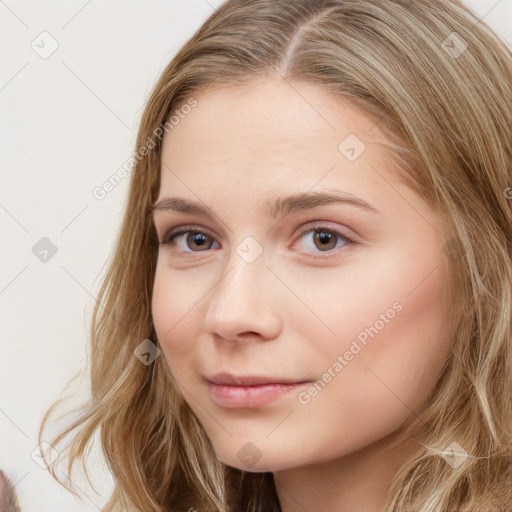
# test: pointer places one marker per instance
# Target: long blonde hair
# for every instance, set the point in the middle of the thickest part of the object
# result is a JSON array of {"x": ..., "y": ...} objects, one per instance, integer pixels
[{"x": 437, "y": 80}]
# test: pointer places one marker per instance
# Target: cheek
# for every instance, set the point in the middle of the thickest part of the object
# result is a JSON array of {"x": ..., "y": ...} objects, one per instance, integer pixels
[
  {"x": 172, "y": 304},
  {"x": 388, "y": 369},
  {"x": 410, "y": 353},
  {"x": 400, "y": 329}
]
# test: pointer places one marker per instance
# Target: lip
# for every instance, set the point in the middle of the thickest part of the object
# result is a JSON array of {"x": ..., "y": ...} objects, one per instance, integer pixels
[{"x": 232, "y": 392}]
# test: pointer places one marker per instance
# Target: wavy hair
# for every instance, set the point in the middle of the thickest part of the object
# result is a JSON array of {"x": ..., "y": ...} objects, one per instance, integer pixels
[{"x": 438, "y": 82}]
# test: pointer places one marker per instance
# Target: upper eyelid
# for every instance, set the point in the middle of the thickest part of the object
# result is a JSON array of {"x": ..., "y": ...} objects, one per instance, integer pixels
[
  {"x": 183, "y": 229},
  {"x": 318, "y": 225}
]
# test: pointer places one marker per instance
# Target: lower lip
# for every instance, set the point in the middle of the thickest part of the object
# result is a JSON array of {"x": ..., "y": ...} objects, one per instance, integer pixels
[{"x": 233, "y": 397}]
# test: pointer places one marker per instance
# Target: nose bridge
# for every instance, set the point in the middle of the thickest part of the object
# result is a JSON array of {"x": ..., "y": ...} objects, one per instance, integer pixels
[{"x": 240, "y": 302}]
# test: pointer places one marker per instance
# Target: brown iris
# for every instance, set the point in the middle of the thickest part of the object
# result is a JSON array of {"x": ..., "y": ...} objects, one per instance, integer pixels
[
  {"x": 326, "y": 239},
  {"x": 200, "y": 240}
]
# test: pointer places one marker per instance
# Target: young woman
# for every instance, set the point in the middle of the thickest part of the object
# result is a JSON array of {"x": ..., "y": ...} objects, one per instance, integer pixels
[{"x": 309, "y": 305}]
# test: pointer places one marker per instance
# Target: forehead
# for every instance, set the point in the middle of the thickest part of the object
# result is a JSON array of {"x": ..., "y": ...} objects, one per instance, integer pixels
[{"x": 264, "y": 123}]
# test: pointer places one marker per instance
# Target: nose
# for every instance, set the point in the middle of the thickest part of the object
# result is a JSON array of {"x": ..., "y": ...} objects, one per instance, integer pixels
[{"x": 243, "y": 304}]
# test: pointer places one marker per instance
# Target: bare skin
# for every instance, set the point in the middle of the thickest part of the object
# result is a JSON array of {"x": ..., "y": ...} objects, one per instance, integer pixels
[{"x": 300, "y": 308}]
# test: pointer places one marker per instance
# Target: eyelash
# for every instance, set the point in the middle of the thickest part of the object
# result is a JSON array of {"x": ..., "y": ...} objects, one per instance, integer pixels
[{"x": 174, "y": 234}]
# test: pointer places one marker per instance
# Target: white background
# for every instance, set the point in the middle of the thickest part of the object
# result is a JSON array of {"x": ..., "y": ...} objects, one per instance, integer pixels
[{"x": 68, "y": 122}]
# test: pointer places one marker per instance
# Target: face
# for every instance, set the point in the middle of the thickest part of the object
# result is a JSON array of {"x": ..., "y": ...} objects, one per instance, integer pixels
[{"x": 308, "y": 264}]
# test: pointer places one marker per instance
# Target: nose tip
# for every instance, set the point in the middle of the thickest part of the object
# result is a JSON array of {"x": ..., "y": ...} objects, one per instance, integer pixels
[{"x": 240, "y": 307}]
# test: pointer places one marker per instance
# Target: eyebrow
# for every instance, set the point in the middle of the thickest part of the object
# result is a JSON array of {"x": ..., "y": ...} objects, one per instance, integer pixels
[{"x": 278, "y": 207}]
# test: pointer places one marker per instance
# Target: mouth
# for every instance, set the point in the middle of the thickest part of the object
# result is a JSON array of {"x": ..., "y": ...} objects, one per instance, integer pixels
[{"x": 250, "y": 391}]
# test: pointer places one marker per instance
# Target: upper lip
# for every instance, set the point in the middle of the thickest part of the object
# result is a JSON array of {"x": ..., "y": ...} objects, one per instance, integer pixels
[{"x": 227, "y": 379}]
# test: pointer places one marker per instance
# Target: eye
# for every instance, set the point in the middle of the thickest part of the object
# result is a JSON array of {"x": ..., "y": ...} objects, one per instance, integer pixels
[
  {"x": 188, "y": 240},
  {"x": 324, "y": 240}
]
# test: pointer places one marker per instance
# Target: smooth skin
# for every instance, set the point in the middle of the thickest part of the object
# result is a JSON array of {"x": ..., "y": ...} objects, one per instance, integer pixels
[{"x": 304, "y": 300}]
